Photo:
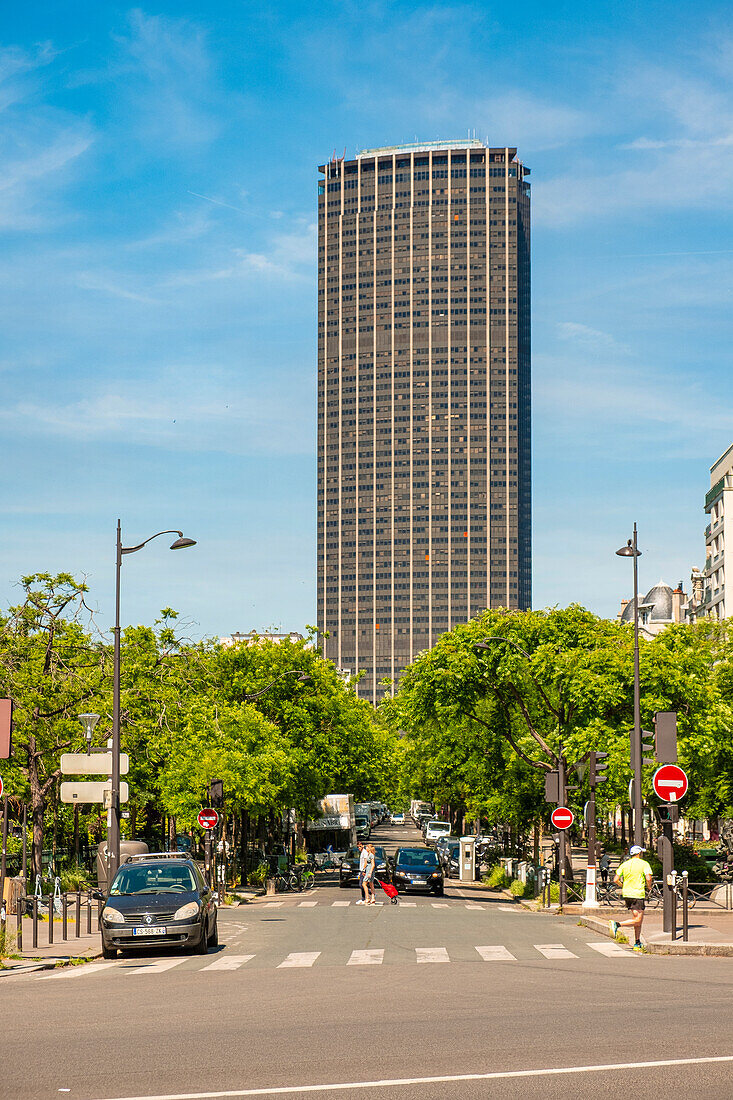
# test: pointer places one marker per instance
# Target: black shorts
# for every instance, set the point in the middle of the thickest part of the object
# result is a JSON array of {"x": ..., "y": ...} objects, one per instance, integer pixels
[{"x": 635, "y": 903}]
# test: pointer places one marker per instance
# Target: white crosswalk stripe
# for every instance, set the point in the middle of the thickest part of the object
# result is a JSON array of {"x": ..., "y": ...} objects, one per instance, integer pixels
[
  {"x": 156, "y": 968},
  {"x": 496, "y": 954},
  {"x": 340, "y": 904},
  {"x": 299, "y": 958},
  {"x": 440, "y": 905},
  {"x": 229, "y": 962},
  {"x": 431, "y": 955},
  {"x": 369, "y": 957},
  {"x": 306, "y": 904},
  {"x": 554, "y": 951},
  {"x": 408, "y": 904},
  {"x": 273, "y": 904},
  {"x": 609, "y": 948},
  {"x": 76, "y": 971},
  {"x": 474, "y": 906}
]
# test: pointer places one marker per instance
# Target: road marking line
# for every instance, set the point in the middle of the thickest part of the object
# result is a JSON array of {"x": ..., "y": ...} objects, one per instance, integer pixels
[
  {"x": 299, "y": 958},
  {"x": 76, "y": 971},
  {"x": 440, "y": 905},
  {"x": 609, "y": 948},
  {"x": 342, "y": 904},
  {"x": 156, "y": 968},
  {"x": 408, "y": 904},
  {"x": 481, "y": 907},
  {"x": 272, "y": 904},
  {"x": 371, "y": 956},
  {"x": 496, "y": 954},
  {"x": 432, "y": 955},
  {"x": 229, "y": 962},
  {"x": 306, "y": 904},
  {"x": 497, "y": 1075},
  {"x": 554, "y": 951},
  {"x": 508, "y": 908}
]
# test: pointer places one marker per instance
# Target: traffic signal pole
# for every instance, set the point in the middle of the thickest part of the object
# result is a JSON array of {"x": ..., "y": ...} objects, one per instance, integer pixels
[{"x": 563, "y": 844}]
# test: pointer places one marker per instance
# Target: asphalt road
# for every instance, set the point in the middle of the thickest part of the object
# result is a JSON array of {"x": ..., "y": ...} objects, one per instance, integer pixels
[{"x": 314, "y": 996}]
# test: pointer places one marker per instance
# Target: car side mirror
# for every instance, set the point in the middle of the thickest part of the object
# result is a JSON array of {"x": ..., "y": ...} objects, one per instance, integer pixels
[{"x": 97, "y": 895}]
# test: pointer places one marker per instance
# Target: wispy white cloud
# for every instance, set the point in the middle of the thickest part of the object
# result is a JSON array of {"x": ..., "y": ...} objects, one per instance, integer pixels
[{"x": 591, "y": 339}]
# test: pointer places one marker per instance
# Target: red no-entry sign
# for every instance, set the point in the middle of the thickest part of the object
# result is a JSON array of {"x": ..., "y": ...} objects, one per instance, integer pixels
[
  {"x": 670, "y": 783},
  {"x": 208, "y": 819},
  {"x": 562, "y": 817},
  {"x": 1, "y": 786}
]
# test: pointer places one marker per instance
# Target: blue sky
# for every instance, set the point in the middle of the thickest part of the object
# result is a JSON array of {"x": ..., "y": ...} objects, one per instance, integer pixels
[{"x": 157, "y": 304}]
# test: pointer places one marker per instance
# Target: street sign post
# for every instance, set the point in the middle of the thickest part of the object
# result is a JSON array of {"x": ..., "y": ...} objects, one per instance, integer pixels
[
  {"x": 98, "y": 763},
  {"x": 208, "y": 819},
  {"x": 670, "y": 783},
  {"x": 92, "y": 791},
  {"x": 562, "y": 817}
]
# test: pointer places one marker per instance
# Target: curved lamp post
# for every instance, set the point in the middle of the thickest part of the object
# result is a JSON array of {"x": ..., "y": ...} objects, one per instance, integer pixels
[
  {"x": 631, "y": 550},
  {"x": 113, "y": 828}
]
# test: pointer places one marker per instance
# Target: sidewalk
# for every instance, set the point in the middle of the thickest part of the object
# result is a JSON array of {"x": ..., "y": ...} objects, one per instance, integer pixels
[
  {"x": 47, "y": 956},
  {"x": 710, "y": 931}
]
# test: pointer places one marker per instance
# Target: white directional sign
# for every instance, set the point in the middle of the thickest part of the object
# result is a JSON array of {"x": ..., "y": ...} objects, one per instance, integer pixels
[
  {"x": 96, "y": 763},
  {"x": 91, "y": 792}
]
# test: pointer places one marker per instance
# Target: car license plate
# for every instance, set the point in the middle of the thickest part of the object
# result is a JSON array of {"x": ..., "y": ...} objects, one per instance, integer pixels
[
  {"x": 419, "y": 878},
  {"x": 148, "y": 931}
]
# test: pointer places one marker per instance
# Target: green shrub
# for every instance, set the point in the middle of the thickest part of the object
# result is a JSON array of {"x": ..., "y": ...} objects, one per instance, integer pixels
[
  {"x": 498, "y": 878},
  {"x": 517, "y": 888},
  {"x": 258, "y": 875},
  {"x": 75, "y": 878}
]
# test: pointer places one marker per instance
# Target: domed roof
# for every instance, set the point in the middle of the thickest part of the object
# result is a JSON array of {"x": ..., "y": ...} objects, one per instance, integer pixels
[{"x": 655, "y": 607}]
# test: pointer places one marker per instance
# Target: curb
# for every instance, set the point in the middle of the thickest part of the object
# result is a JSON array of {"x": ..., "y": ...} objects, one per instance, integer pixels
[{"x": 722, "y": 950}]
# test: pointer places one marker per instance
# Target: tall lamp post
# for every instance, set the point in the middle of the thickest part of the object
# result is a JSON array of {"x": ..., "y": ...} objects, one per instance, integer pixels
[
  {"x": 631, "y": 550},
  {"x": 113, "y": 828}
]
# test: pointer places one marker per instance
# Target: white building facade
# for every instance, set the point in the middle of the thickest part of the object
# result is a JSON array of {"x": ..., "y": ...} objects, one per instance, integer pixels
[{"x": 718, "y": 535}]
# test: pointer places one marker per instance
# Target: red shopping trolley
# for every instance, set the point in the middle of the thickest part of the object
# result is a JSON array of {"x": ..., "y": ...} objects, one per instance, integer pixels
[{"x": 390, "y": 890}]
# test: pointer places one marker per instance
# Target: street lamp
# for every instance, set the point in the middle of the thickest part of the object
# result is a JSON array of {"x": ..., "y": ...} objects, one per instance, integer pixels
[
  {"x": 631, "y": 550},
  {"x": 88, "y": 721},
  {"x": 113, "y": 827}
]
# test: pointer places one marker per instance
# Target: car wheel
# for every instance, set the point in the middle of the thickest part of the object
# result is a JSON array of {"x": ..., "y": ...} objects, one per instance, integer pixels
[
  {"x": 108, "y": 952},
  {"x": 202, "y": 947},
  {"x": 439, "y": 893},
  {"x": 343, "y": 885}
]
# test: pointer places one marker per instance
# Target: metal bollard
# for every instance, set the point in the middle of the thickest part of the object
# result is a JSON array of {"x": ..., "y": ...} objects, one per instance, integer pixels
[
  {"x": 78, "y": 913},
  {"x": 19, "y": 921},
  {"x": 685, "y": 909},
  {"x": 50, "y": 919},
  {"x": 89, "y": 912},
  {"x": 64, "y": 917},
  {"x": 35, "y": 920}
]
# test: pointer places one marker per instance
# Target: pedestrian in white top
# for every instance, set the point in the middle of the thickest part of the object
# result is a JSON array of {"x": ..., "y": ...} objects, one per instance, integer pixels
[{"x": 363, "y": 860}]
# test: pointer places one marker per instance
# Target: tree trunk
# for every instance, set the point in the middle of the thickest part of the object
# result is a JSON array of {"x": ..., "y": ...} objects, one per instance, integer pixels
[
  {"x": 37, "y": 807},
  {"x": 172, "y": 832}
]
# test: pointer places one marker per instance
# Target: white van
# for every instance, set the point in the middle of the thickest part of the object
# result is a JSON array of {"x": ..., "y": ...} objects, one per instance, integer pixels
[{"x": 434, "y": 830}]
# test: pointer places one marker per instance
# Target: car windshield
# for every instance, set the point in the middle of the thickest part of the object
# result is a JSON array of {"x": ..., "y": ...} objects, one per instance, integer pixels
[
  {"x": 154, "y": 880},
  {"x": 439, "y": 826},
  {"x": 362, "y": 821},
  {"x": 417, "y": 857}
]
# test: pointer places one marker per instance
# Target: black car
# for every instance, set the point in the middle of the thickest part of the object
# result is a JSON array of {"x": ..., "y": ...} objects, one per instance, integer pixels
[
  {"x": 159, "y": 900},
  {"x": 417, "y": 869},
  {"x": 349, "y": 872}
]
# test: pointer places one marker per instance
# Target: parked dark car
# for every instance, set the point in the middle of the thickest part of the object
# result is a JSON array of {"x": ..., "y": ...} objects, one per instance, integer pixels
[
  {"x": 159, "y": 900},
  {"x": 417, "y": 869},
  {"x": 349, "y": 872}
]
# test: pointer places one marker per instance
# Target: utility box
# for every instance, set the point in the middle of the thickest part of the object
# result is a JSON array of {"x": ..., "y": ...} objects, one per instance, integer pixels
[{"x": 468, "y": 859}]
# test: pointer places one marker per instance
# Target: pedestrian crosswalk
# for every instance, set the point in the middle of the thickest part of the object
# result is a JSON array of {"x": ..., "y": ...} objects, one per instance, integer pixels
[
  {"x": 362, "y": 956},
  {"x": 293, "y": 903}
]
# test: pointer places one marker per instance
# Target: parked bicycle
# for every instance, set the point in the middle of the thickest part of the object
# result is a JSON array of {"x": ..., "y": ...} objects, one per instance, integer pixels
[
  {"x": 656, "y": 895},
  {"x": 285, "y": 880}
]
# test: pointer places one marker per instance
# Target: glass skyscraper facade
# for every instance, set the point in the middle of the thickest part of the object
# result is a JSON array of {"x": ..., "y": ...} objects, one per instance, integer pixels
[{"x": 424, "y": 398}]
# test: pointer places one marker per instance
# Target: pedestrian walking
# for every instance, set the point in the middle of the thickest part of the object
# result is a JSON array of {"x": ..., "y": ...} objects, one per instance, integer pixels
[
  {"x": 370, "y": 872},
  {"x": 363, "y": 858},
  {"x": 634, "y": 876},
  {"x": 604, "y": 865}
]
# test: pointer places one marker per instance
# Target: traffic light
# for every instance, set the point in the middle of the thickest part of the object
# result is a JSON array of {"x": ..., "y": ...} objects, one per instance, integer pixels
[
  {"x": 552, "y": 787},
  {"x": 597, "y": 767},
  {"x": 647, "y": 747},
  {"x": 665, "y": 736},
  {"x": 216, "y": 794},
  {"x": 668, "y": 814}
]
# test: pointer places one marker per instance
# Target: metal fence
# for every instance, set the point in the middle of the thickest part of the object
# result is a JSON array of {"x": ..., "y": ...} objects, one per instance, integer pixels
[{"x": 76, "y": 912}]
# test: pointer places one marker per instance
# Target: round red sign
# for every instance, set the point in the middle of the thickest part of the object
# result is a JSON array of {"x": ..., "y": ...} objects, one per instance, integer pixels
[
  {"x": 208, "y": 819},
  {"x": 670, "y": 783},
  {"x": 562, "y": 817},
  {"x": 1, "y": 786}
]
